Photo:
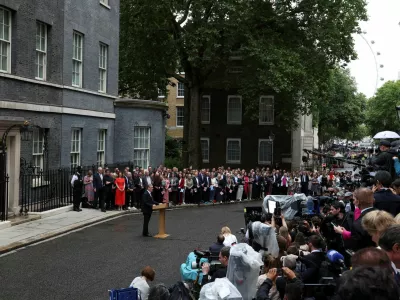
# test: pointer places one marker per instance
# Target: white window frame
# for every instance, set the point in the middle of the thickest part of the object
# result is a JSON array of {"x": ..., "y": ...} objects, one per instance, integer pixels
[
  {"x": 260, "y": 122},
  {"x": 177, "y": 90},
  {"x": 234, "y": 122},
  {"x": 41, "y": 53},
  {"x": 203, "y": 121},
  {"x": 160, "y": 94},
  {"x": 205, "y": 160},
  {"x": 183, "y": 111},
  {"x": 103, "y": 64},
  {"x": 77, "y": 58},
  {"x": 261, "y": 162},
  {"x": 37, "y": 150},
  {"x": 76, "y": 146},
  {"x": 101, "y": 147},
  {"x": 6, "y": 42},
  {"x": 141, "y": 149},
  {"x": 228, "y": 161}
]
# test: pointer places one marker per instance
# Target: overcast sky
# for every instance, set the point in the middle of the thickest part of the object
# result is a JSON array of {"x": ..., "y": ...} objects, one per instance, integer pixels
[{"x": 382, "y": 28}]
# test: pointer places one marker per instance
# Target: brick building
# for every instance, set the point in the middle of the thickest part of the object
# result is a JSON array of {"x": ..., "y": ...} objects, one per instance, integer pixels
[
  {"x": 175, "y": 99},
  {"x": 59, "y": 71},
  {"x": 230, "y": 139}
]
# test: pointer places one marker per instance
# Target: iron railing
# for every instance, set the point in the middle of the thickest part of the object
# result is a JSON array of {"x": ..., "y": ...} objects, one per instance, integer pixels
[
  {"x": 49, "y": 189},
  {"x": 4, "y": 197}
]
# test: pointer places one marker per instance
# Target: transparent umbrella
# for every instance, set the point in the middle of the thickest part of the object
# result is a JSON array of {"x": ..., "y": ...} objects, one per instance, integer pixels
[{"x": 386, "y": 135}]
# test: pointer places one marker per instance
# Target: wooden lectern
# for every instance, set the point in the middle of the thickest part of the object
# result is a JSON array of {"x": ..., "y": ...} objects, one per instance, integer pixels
[{"x": 161, "y": 221}]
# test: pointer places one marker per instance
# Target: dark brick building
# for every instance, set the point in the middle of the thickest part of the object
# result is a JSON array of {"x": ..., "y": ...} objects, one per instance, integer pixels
[{"x": 59, "y": 71}]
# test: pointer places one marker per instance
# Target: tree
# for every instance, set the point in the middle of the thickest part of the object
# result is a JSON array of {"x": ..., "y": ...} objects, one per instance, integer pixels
[
  {"x": 381, "y": 114},
  {"x": 286, "y": 46},
  {"x": 341, "y": 112}
]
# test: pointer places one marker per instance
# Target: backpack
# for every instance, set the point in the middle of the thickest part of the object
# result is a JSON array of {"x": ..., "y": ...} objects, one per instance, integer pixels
[{"x": 179, "y": 292}]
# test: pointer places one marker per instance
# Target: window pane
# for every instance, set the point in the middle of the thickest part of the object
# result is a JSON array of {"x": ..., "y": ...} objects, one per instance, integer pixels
[
  {"x": 233, "y": 151},
  {"x": 179, "y": 116},
  {"x": 205, "y": 110},
  {"x": 181, "y": 89},
  {"x": 234, "y": 109},
  {"x": 205, "y": 149}
]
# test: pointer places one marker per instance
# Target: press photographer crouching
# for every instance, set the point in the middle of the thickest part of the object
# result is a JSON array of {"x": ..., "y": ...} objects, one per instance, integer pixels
[{"x": 219, "y": 272}]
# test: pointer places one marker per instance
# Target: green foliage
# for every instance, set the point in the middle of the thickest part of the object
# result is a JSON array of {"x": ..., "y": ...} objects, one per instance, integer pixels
[
  {"x": 286, "y": 47},
  {"x": 381, "y": 109},
  {"x": 341, "y": 112},
  {"x": 171, "y": 162},
  {"x": 172, "y": 147}
]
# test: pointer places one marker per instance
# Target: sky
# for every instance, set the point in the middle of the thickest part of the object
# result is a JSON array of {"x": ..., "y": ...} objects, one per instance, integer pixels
[{"x": 383, "y": 34}]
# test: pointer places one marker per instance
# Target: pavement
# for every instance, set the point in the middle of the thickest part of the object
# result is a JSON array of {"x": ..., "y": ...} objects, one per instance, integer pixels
[
  {"x": 37, "y": 230},
  {"x": 87, "y": 262}
]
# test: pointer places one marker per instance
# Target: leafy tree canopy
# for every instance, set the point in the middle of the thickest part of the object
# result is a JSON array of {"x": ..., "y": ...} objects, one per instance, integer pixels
[
  {"x": 381, "y": 113},
  {"x": 286, "y": 46},
  {"x": 341, "y": 112}
]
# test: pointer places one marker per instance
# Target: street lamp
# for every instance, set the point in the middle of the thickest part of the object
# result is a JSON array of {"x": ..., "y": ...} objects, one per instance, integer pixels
[{"x": 398, "y": 111}]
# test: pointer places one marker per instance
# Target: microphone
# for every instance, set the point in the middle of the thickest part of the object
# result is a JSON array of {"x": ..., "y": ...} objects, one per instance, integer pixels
[{"x": 335, "y": 257}]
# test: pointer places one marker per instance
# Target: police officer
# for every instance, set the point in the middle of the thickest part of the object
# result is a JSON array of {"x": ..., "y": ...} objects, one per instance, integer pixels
[{"x": 77, "y": 188}]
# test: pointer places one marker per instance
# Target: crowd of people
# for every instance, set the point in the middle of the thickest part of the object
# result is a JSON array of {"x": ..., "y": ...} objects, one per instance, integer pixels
[
  {"x": 115, "y": 189},
  {"x": 363, "y": 230}
]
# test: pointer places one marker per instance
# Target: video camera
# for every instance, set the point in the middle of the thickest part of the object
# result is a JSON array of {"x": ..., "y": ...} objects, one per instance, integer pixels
[{"x": 213, "y": 260}]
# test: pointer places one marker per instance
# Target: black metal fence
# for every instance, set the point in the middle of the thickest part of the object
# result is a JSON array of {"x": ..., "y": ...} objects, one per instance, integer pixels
[
  {"x": 4, "y": 197},
  {"x": 50, "y": 189}
]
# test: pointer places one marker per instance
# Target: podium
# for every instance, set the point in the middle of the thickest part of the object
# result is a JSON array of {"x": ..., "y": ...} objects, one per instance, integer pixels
[{"x": 161, "y": 221}]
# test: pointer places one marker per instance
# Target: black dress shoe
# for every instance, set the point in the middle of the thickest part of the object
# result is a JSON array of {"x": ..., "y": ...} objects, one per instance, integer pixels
[{"x": 147, "y": 235}]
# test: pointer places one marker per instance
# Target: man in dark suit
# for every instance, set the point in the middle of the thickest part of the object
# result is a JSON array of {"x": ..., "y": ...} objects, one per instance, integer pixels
[
  {"x": 364, "y": 200},
  {"x": 384, "y": 198},
  {"x": 215, "y": 248},
  {"x": 98, "y": 186},
  {"x": 147, "y": 209},
  {"x": 304, "y": 183},
  {"x": 314, "y": 260}
]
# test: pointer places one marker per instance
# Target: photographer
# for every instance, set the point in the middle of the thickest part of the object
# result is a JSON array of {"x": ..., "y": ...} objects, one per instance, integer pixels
[
  {"x": 221, "y": 272},
  {"x": 384, "y": 160},
  {"x": 293, "y": 286}
]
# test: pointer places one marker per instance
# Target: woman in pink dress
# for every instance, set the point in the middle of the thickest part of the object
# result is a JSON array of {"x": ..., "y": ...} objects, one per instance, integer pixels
[
  {"x": 120, "y": 191},
  {"x": 166, "y": 190},
  {"x": 88, "y": 183}
]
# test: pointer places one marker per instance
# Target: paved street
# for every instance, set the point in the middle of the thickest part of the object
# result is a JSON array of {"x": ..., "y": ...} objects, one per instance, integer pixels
[{"x": 86, "y": 263}]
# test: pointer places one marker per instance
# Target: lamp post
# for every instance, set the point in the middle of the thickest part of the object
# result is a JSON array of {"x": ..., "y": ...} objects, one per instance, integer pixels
[{"x": 398, "y": 112}]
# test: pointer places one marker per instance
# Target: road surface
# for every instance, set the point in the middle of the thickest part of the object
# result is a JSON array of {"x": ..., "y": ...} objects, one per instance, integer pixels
[{"x": 86, "y": 263}]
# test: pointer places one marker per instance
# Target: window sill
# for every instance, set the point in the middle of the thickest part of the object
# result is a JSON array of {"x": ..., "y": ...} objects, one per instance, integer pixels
[
  {"x": 233, "y": 162},
  {"x": 265, "y": 123},
  {"x": 265, "y": 162},
  {"x": 179, "y": 126},
  {"x": 206, "y": 161},
  {"x": 40, "y": 79},
  {"x": 76, "y": 86},
  {"x": 206, "y": 123},
  {"x": 180, "y": 97},
  {"x": 102, "y": 92},
  {"x": 234, "y": 123},
  {"x": 5, "y": 72},
  {"x": 105, "y": 5}
]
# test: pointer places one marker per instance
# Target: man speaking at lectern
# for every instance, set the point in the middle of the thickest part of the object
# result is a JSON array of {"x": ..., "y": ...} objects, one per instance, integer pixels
[{"x": 147, "y": 209}]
